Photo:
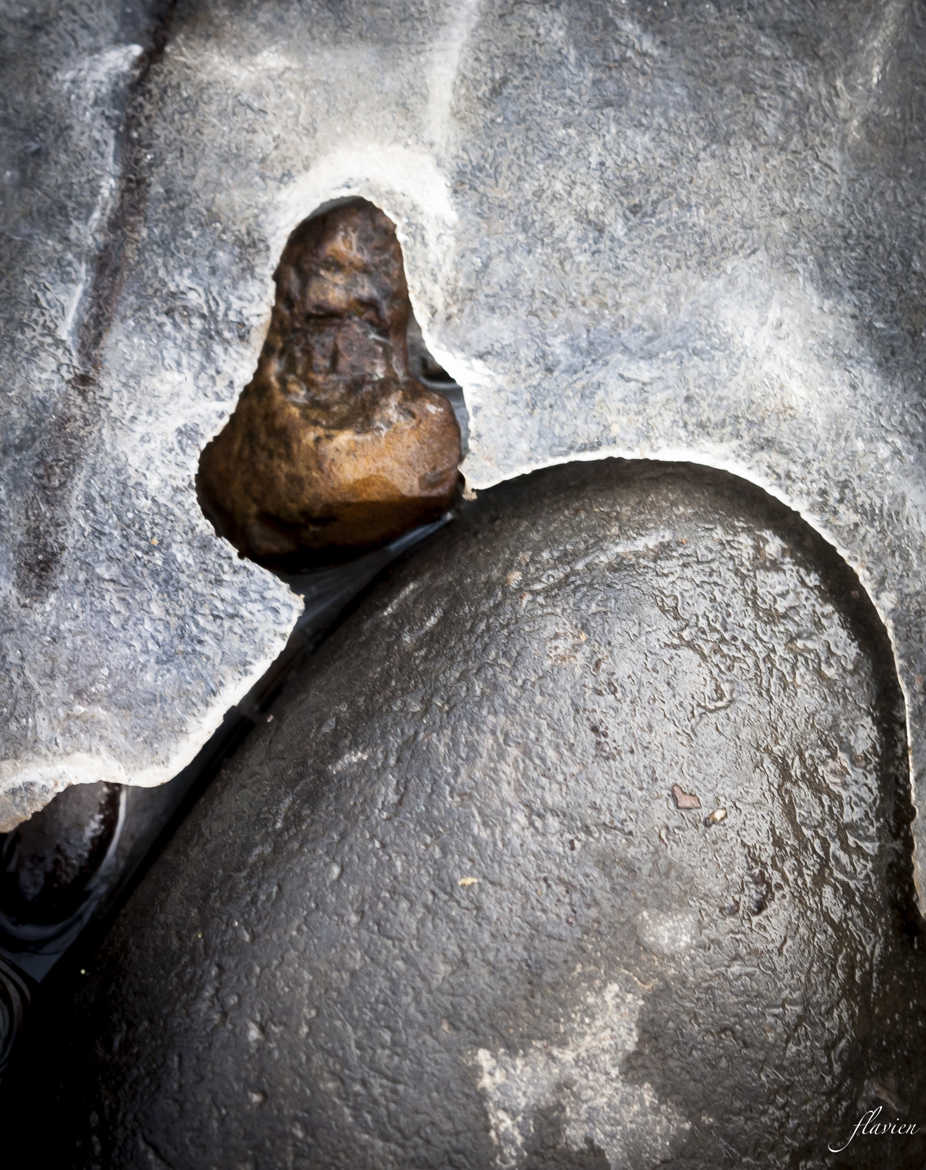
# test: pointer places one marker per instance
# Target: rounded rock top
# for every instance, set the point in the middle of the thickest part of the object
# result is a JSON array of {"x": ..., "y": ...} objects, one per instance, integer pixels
[{"x": 445, "y": 909}]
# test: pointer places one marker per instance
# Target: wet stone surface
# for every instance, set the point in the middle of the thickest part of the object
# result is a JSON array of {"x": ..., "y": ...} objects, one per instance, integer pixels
[
  {"x": 655, "y": 231},
  {"x": 50, "y": 864},
  {"x": 447, "y": 909},
  {"x": 334, "y": 448}
]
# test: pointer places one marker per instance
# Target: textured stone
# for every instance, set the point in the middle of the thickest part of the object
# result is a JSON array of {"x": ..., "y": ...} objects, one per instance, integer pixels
[
  {"x": 443, "y": 911},
  {"x": 334, "y": 448},
  {"x": 646, "y": 230}
]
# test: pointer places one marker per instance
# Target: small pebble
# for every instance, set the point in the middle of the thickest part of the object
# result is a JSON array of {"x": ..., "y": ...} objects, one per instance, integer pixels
[{"x": 684, "y": 799}]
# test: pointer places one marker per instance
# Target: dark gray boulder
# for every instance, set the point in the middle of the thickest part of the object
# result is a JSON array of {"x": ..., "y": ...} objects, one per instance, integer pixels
[{"x": 583, "y": 844}]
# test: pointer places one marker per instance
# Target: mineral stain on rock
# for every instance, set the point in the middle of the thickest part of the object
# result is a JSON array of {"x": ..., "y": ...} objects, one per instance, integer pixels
[
  {"x": 334, "y": 448},
  {"x": 684, "y": 799}
]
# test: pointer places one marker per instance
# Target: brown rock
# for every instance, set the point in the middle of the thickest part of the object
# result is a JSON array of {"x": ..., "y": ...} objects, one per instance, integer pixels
[{"x": 333, "y": 447}]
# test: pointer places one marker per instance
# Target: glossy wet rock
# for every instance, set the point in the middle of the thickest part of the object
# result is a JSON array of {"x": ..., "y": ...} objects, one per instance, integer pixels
[
  {"x": 49, "y": 865},
  {"x": 444, "y": 911},
  {"x": 333, "y": 448}
]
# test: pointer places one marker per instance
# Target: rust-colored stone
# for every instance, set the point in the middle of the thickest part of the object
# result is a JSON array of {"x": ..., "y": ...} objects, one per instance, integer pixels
[{"x": 333, "y": 447}]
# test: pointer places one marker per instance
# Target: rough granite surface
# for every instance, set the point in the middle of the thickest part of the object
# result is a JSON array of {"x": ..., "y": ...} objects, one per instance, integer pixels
[
  {"x": 668, "y": 231},
  {"x": 443, "y": 910}
]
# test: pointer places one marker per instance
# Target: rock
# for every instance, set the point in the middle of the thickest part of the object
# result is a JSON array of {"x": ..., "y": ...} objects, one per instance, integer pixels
[
  {"x": 50, "y": 865},
  {"x": 443, "y": 910},
  {"x": 333, "y": 448},
  {"x": 649, "y": 231},
  {"x": 53, "y": 872}
]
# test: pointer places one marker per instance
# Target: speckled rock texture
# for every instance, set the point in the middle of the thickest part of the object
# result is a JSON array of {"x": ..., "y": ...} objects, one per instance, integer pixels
[
  {"x": 443, "y": 910},
  {"x": 334, "y": 448},
  {"x": 668, "y": 231},
  {"x": 128, "y": 631}
]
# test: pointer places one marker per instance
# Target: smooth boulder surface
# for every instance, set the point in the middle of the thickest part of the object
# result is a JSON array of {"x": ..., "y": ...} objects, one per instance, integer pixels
[{"x": 584, "y": 843}]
